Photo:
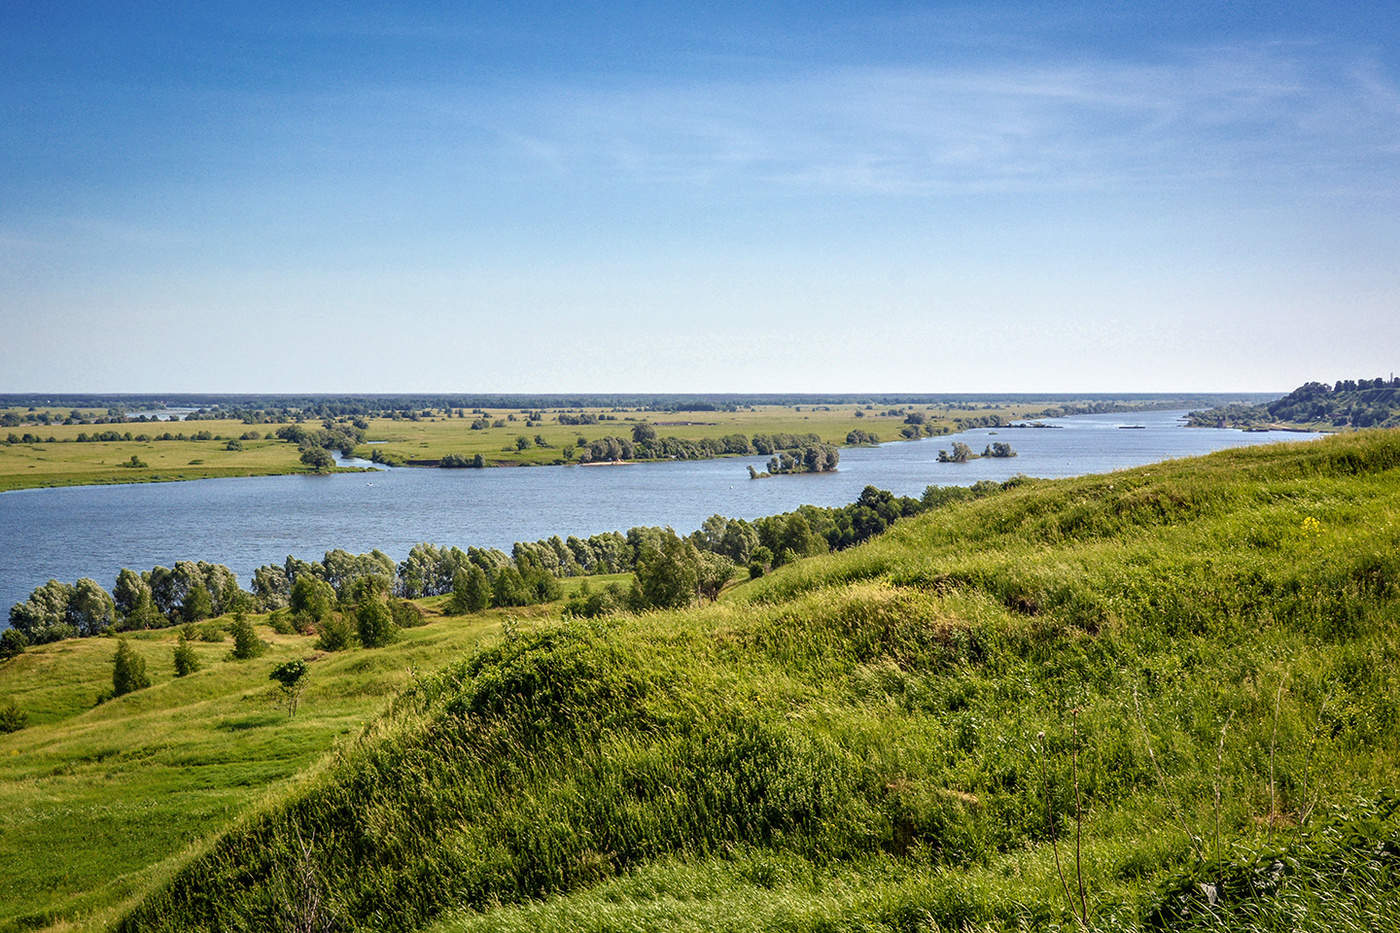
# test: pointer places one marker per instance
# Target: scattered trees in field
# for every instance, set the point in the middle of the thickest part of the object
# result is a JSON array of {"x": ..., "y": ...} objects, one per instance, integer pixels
[
  {"x": 318, "y": 459},
  {"x": 859, "y": 438},
  {"x": 345, "y": 599}
]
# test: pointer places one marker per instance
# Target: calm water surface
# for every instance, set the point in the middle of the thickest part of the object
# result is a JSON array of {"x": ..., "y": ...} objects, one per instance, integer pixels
[{"x": 93, "y": 531}]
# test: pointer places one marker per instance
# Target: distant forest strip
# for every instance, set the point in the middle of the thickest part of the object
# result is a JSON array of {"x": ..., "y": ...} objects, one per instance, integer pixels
[
  {"x": 334, "y": 405},
  {"x": 1348, "y": 403}
]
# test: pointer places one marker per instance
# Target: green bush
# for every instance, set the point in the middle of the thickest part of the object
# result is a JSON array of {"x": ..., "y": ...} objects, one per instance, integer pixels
[
  {"x": 374, "y": 623},
  {"x": 471, "y": 591},
  {"x": 279, "y": 620},
  {"x": 406, "y": 614},
  {"x": 211, "y": 632},
  {"x": 246, "y": 644},
  {"x": 12, "y": 718},
  {"x": 186, "y": 661},
  {"x": 335, "y": 633},
  {"x": 12, "y": 643},
  {"x": 128, "y": 670},
  {"x": 291, "y": 677}
]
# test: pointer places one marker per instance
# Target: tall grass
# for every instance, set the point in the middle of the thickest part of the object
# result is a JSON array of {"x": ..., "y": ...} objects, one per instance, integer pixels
[{"x": 898, "y": 736}]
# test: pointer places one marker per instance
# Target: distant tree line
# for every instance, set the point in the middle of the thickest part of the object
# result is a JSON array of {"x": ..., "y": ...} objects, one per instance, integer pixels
[
  {"x": 348, "y": 598},
  {"x": 189, "y": 592},
  {"x": 273, "y": 408},
  {"x": 114, "y": 436},
  {"x": 644, "y": 444}
]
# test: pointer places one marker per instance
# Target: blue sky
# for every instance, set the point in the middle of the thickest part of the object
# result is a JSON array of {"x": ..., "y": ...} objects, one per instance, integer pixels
[{"x": 659, "y": 197}]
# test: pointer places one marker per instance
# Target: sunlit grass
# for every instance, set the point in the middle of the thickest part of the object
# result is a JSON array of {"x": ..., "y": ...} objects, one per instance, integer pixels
[{"x": 896, "y": 737}]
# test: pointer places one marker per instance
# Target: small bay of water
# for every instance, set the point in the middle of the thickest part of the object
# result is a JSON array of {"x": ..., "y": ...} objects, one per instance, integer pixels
[{"x": 93, "y": 531}]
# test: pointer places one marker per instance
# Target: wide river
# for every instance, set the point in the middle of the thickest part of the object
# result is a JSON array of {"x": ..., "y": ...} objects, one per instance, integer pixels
[{"x": 93, "y": 531}]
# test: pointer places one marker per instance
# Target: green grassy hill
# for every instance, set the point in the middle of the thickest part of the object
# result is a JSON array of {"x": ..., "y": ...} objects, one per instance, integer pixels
[{"x": 1174, "y": 689}]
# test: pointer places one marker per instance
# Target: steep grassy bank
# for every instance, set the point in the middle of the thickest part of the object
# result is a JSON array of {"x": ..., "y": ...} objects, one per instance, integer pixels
[{"x": 1162, "y": 670}]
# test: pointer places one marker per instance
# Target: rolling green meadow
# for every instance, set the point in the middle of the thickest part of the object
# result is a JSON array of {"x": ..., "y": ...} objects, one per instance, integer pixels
[{"x": 1163, "y": 698}]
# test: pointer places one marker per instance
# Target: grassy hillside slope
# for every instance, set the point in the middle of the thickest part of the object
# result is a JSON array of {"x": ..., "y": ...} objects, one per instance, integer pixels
[
  {"x": 1083, "y": 702},
  {"x": 98, "y": 802}
]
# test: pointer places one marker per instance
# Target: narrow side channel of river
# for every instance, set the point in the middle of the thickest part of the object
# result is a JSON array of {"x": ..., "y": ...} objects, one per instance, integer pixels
[{"x": 93, "y": 531}]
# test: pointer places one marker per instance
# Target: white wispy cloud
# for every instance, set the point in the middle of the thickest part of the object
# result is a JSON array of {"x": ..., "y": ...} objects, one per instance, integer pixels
[{"x": 1268, "y": 113}]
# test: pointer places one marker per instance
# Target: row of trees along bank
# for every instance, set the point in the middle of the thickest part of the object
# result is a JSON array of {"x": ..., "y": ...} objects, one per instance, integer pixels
[{"x": 668, "y": 570}]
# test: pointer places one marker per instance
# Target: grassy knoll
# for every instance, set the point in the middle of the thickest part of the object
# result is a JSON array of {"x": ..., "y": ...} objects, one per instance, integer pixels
[
  {"x": 1187, "y": 673},
  {"x": 99, "y": 802}
]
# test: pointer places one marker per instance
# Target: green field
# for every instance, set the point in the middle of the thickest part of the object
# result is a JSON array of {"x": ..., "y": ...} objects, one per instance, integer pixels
[
  {"x": 1174, "y": 671},
  {"x": 70, "y": 463},
  {"x": 433, "y": 439}
]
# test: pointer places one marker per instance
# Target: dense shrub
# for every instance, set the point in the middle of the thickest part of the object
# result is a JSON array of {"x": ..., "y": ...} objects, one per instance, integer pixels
[
  {"x": 246, "y": 644},
  {"x": 12, "y": 718},
  {"x": 128, "y": 670},
  {"x": 335, "y": 633},
  {"x": 374, "y": 623},
  {"x": 186, "y": 661}
]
